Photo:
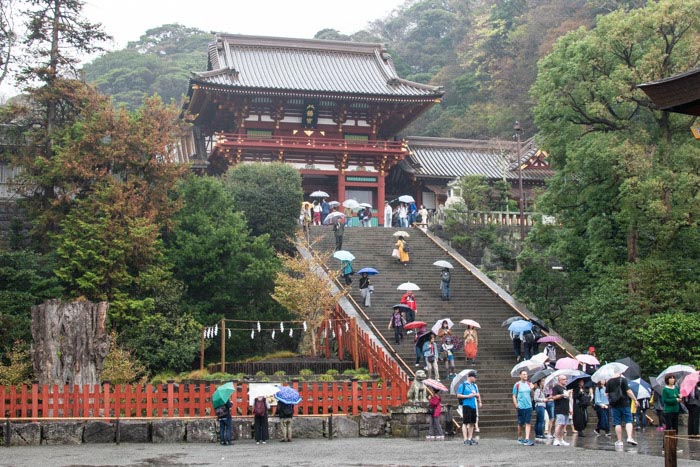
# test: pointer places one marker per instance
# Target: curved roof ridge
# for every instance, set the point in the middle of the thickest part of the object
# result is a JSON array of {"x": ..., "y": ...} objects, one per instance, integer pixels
[{"x": 311, "y": 44}]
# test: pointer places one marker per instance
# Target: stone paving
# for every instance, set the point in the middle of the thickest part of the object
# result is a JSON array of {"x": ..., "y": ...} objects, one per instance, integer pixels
[{"x": 588, "y": 451}]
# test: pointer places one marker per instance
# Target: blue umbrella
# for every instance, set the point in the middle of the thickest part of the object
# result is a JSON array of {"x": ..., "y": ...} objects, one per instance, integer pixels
[
  {"x": 288, "y": 395},
  {"x": 640, "y": 388},
  {"x": 369, "y": 271},
  {"x": 520, "y": 326}
]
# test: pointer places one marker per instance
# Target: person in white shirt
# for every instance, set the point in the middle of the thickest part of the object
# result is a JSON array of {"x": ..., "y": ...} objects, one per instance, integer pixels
[{"x": 387, "y": 214}]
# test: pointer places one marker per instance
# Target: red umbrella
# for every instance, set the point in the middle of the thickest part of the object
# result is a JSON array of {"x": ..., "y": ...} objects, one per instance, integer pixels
[
  {"x": 435, "y": 384},
  {"x": 415, "y": 325}
]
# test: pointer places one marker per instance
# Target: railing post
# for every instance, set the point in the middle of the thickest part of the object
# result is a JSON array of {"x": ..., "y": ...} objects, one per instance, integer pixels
[
  {"x": 355, "y": 344},
  {"x": 670, "y": 446}
]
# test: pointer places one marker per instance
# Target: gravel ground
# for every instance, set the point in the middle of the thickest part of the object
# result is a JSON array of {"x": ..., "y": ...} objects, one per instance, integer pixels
[{"x": 342, "y": 452}]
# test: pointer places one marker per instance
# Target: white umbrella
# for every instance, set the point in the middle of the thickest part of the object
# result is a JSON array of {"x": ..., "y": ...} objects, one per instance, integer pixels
[
  {"x": 401, "y": 233},
  {"x": 551, "y": 380},
  {"x": 351, "y": 203},
  {"x": 443, "y": 264},
  {"x": 334, "y": 203},
  {"x": 470, "y": 322},
  {"x": 678, "y": 370},
  {"x": 331, "y": 217},
  {"x": 540, "y": 357},
  {"x": 344, "y": 255},
  {"x": 438, "y": 325},
  {"x": 531, "y": 366},
  {"x": 587, "y": 359},
  {"x": 608, "y": 371},
  {"x": 406, "y": 199},
  {"x": 319, "y": 194},
  {"x": 366, "y": 205},
  {"x": 408, "y": 286}
]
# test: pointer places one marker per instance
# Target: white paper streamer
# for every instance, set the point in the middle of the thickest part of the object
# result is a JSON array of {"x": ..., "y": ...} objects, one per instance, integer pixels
[
  {"x": 229, "y": 333},
  {"x": 333, "y": 334},
  {"x": 291, "y": 332},
  {"x": 273, "y": 334},
  {"x": 347, "y": 327},
  {"x": 258, "y": 326},
  {"x": 340, "y": 331},
  {"x": 304, "y": 326},
  {"x": 216, "y": 329},
  {"x": 281, "y": 326},
  {"x": 252, "y": 333}
]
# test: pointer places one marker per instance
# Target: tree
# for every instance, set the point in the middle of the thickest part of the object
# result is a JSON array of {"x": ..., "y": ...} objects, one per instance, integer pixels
[
  {"x": 8, "y": 37},
  {"x": 270, "y": 197},
  {"x": 302, "y": 288},
  {"x": 627, "y": 176}
]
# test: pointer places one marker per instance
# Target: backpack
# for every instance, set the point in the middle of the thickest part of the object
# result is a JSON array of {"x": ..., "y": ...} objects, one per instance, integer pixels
[
  {"x": 221, "y": 411},
  {"x": 259, "y": 408},
  {"x": 287, "y": 410},
  {"x": 405, "y": 247},
  {"x": 616, "y": 396}
]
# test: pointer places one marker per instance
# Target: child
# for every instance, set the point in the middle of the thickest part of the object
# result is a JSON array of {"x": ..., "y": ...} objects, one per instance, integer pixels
[{"x": 435, "y": 431}]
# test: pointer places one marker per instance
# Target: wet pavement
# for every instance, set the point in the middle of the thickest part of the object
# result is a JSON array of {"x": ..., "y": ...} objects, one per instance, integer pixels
[{"x": 500, "y": 451}]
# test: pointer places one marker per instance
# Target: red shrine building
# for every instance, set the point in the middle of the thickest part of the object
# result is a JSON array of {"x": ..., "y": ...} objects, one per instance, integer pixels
[
  {"x": 334, "y": 111},
  {"x": 331, "y": 109}
]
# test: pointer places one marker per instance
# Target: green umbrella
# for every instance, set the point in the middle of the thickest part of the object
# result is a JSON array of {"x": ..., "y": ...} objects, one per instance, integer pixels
[{"x": 222, "y": 394}]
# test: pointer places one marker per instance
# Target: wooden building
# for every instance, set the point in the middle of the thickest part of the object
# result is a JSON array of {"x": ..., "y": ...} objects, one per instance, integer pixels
[{"x": 331, "y": 109}]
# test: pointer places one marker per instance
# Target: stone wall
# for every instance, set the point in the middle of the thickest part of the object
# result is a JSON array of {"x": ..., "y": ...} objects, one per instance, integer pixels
[{"x": 174, "y": 430}]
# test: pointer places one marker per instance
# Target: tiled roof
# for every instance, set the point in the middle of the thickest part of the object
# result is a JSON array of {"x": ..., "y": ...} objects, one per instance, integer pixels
[
  {"x": 679, "y": 93},
  {"x": 453, "y": 158},
  {"x": 271, "y": 63}
]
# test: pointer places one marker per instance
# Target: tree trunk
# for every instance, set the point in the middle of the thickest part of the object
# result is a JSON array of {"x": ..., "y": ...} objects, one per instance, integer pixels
[{"x": 70, "y": 342}]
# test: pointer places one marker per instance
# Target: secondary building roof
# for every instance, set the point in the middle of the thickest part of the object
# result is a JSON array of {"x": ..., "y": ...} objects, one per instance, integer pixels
[
  {"x": 679, "y": 93},
  {"x": 452, "y": 158}
]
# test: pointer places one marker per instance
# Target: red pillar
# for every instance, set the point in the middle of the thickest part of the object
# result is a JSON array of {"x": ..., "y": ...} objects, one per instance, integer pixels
[
  {"x": 341, "y": 187},
  {"x": 381, "y": 196}
]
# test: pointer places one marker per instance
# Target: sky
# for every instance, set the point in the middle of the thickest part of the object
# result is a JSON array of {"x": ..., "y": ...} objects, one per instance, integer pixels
[{"x": 127, "y": 20}]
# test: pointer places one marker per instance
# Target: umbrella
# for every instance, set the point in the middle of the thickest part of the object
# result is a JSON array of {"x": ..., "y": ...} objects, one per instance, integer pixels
[
  {"x": 319, "y": 194},
  {"x": 511, "y": 320},
  {"x": 608, "y": 371},
  {"x": 567, "y": 363},
  {"x": 344, "y": 255},
  {"x": 423, "y": 338},
  {"x": 401, "y": 233},
  {"x": 406, "y": 199},
  {"x": 351, "y": 203},
  {"x": 530, "y": 366},
  {"x": 520, "y": 326},
  {"x": 222, "y": 394},
  {"x": 408, "y": 286},
  {"x": 288, "y": 395},
  {"x": 640, "y": 388},
  {"x": 689, "y": 383},
  {"x": 332, "y": 216},
  {"x": 458, "y": 379},
  {"x": 551, "y": 380},
  {"x": 366, "y": 205},
  {"x": 680, "y": 371},
  {"x": 633, "y": 371},
  {"x": 550, "y": 339},
  {"x": 541, "y": 374},
  {"x": 657, "y": 385},
  {"x": 402, "y": 307},
  {"x": 435, "y": 384},
  {"x": 540, "y": 357},
  {"x": 539, "y": 323},
  {"x": 573, "y": 382},
  {"x": 415, "y": 325},
  {"x": 587, "y": 359},
  {"x": 438, "y": 324},
  {"x": 443, "y": 264},
  {"x": 470, "y": 322},
  {"x": 334, "y": 203},
  {"x": 369, "y": 271}
]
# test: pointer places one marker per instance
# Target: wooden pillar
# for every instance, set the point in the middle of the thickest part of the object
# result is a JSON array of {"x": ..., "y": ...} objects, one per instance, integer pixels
[
  {"x": 223, "y": 345},
  {"x": 201, "y": 351},
  {"x": 670, "y": 446},
  {"x": 341, "y": 187},
  {"x": 381, "y": 196}
]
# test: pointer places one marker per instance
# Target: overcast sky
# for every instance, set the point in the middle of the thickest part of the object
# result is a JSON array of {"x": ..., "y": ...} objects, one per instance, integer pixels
[{"x": 127, "y": 20}]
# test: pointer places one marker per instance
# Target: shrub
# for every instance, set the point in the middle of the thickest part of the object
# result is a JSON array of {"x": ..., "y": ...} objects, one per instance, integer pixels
[
  {"x": 332, "y": 371},
  {"x": 122, "y": 366},
  {"x": 19, "y": 370},
  {"x": 260, "y": 373},
  {"x": 279, "y": 373},
  {"x": 326, "y": 378},
  {"x": 164, "y": 377},
  {"x": 306, "y": 372}
]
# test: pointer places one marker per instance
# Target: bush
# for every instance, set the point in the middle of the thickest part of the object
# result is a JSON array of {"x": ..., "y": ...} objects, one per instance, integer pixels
[
  {"x": 165, "y": 377},
  {"x": 260, "y": 373},
  {"x": 306, "y": 372},
  {"x": 121, "y": 366},
  {"x": 19, "y": 370},
  {"x": 327, "y": 377},
  {"x": 279, "y": 373},
  {"x": 332, "y": 372}
]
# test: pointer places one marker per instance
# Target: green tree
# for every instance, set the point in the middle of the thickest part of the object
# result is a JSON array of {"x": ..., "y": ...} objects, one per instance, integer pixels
[
  {"x": 8, "y": 37},
  {"x": 270, "y": 197},
  {"x": 628, "y": 176}
]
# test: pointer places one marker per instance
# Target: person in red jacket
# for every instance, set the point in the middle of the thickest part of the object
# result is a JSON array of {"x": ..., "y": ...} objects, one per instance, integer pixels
[
  {"x": 435, "y": 431},
  {"x": 409, "y": 300}
]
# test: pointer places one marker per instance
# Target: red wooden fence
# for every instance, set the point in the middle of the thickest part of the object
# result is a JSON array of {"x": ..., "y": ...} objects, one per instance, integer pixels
[{"x": 187, "y": 400}]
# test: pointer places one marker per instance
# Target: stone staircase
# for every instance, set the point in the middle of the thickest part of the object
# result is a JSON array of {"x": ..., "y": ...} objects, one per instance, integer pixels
[{"x": 470, "y": 298}]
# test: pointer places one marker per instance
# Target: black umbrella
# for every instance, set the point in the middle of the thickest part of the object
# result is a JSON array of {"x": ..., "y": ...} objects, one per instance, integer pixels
[
  {"x": 401, "y": 307},
  {"x": 541, "y": 375},
  {"x": 633, "y": 371},
  {"x": 540, "y": 324},
  {"x": 510, "y": 320},
  {"x": 574, "y": 381},
  {"x": 423, "y": 338}
]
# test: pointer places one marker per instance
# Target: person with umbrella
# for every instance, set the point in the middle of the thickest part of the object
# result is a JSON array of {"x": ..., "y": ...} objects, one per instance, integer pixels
[
  {"x": 409, "y": 299},
  {"x": 339, "y": 230},
  {"x": 435, "y": 429},
  {"x": 388, "y": 213},
  {"x": 582, "y": 399},
  {"x": 690, "y": 389},
  {"x": 562, "y": 411},
  {"x": 419, "y": 351},
  {"x": 365, "y": 287},
  {"x": 287, "y": 398},
  {"x": 325, "y": 208},
  {"x": 430, "y": 353},
  {"x": 347, "y": 271},
  {"x": 672, "y": 402},
  {"x": 619, "y": 395},
  {"x": 402, "y": 247},
  {"x": 471, "y": 342},
  {"x": 316, "y": 208},
  {"x": 602, "y": 409},
  {"x": 445, "y": 278},
  {"x": 396, "y": 322},
  {"x": 540, "y": 399}
]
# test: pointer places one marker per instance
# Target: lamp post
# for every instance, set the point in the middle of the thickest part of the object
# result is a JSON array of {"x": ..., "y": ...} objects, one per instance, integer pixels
[{"x": 521, "y": 200}]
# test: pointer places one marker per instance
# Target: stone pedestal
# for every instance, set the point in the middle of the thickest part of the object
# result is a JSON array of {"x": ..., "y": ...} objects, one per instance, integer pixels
[{"x": 410, "y": 420}]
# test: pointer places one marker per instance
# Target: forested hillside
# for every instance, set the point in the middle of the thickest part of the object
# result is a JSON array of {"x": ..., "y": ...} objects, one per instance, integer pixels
[{"x": 483, "y": 52}]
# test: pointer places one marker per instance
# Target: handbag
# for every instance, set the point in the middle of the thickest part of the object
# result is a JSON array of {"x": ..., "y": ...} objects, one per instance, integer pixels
[{"x": 395, "y": 253}]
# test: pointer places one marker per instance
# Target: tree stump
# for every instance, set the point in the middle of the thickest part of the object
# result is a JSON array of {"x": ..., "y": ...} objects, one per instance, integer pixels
[{"x": 70, "y": 342}]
